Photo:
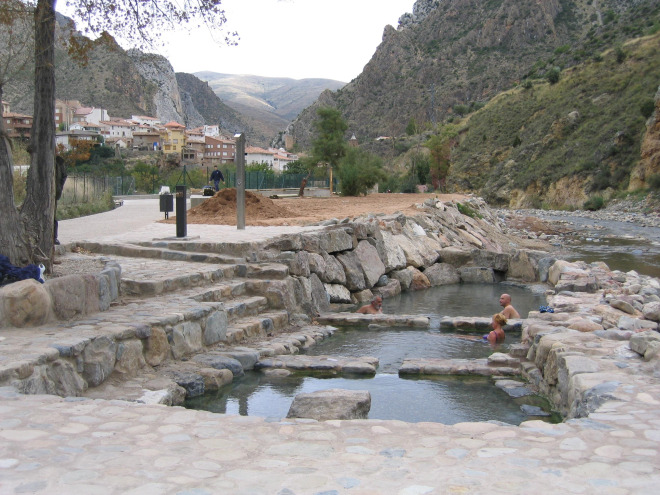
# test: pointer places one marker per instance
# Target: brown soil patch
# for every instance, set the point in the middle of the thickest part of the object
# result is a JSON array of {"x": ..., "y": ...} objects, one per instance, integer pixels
[{"x": 262, "y": 211}]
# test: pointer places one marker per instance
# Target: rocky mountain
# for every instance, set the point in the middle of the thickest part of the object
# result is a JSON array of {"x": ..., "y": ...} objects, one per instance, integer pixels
[
  {"x": 269, "y": 104},
  {"x": 451, "y": 53},
  {"x": 128, "y": 83}
]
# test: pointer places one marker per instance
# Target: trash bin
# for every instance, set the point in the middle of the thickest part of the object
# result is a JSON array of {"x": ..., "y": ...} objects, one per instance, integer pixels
[{"x": 166, "y": 204}]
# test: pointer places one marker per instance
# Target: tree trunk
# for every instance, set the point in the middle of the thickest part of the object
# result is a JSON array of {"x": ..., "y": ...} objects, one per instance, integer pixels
[
  {"x": 13, "y": 243},
  {"x": 38, "y": 210}
]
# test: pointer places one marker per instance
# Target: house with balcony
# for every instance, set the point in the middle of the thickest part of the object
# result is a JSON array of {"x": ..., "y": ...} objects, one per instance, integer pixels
[
  {"x": 146, "y": 139},
  {"x": 116, "y": 130},
  {"x": 173, "y": 136},
  {"x": 282, "y": 159},
  {"x": 218, "y": 151},
  {"x": 69, "y": 138},
  {"x": 195, "y": 144},
  {"x": 17, "y": 125},
  {"x": 146, "y": 120}
]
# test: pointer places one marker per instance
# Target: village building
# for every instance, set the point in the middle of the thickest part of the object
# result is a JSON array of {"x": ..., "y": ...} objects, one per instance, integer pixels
[
  {"x": 90, "y": 114},
  {"x": 218, "y": 151}
]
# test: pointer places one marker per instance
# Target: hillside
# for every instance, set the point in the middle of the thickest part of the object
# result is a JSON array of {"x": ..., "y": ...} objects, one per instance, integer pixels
[
  {"x": 269, "y": 104},
  {"x": 465, "y": 52},
  {"x": 560, "y": 143}
]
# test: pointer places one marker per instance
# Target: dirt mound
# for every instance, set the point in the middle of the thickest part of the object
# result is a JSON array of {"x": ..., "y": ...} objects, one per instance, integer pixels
[{"x": 221, "y": 209}]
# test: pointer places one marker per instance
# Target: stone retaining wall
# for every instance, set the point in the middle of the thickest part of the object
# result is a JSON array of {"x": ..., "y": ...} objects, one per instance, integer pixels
[
  {"x": 29, "y": 303},
  {"x": 351, "y": 262}
]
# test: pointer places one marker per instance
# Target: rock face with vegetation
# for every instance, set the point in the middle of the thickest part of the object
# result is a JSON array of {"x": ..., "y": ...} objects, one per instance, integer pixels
[{"x": 550, "y": 98}]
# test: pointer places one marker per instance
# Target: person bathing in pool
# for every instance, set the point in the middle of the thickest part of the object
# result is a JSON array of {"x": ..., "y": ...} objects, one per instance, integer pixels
[
  {"x": 497, "y": 334},
  {"x": 373, "y": 308}
]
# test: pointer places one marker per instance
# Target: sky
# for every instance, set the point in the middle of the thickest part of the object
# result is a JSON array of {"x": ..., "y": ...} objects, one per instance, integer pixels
[{"x": 330, "y": 39}]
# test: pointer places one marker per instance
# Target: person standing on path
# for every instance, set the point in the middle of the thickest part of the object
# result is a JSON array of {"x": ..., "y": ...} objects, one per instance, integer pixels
[
  {"x": 216, "y": 177},
  {"x": 60, "y": 179}
]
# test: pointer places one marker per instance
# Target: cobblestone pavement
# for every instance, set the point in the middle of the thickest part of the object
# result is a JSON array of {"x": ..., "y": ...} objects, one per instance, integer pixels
[{"x": 53, "y": 445}]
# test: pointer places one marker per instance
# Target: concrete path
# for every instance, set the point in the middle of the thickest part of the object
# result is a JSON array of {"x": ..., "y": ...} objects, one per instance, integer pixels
[
  {"x": 138, "y": 220},
  {"x": 53, "y": 445}
]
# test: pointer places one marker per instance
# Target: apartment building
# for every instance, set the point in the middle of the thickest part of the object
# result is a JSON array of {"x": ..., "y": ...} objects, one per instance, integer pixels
[{"x": 218, "y": 151}]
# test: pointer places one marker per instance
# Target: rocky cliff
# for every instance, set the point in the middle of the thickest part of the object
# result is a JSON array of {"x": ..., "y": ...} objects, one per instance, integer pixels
[{"x": 464, "y": 52}]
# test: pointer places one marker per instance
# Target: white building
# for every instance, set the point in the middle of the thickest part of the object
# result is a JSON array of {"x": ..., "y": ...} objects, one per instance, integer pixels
[
  {"x": 90, "y": 114},
  {"x": 256, "y": 155}
]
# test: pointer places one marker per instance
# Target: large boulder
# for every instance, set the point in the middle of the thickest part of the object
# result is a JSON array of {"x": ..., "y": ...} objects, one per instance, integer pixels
[
  {"x": 26, "y": 303},
  {"x": 331, "y": 404},
  {"x": 353, "y": 270},
  {"x": 646, "y": 344},
  {"x": 442, "y": 274},
  {"x": 338, "y": 293},
  {"x": 477, "y": 275},
  {"x": 334, "y": 271},
  {"x": 393, "y": 256},
  {"x": 372, "y": 266}
]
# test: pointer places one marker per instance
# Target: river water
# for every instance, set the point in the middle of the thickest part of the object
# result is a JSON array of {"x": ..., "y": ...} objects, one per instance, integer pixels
[{"x": 622, "y": 246}]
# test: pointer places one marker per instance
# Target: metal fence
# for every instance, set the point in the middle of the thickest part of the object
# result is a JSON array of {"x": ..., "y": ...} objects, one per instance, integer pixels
[
  {"x": 263, "y": 180},
  {"x": 81, "y": 188}
]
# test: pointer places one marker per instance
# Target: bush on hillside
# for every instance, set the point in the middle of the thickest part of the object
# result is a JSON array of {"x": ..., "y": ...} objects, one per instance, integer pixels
[{"x": 594, "y": 203}]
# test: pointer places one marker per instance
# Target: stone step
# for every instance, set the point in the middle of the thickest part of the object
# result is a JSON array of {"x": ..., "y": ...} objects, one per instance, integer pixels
[
  {"x": 249, "y": 306},
  {"x": 145, "y": 284},
  {"x": 275, "y": 271},
  {"x": 256, "y": 327},
  {"x": 160, "y": 251}
]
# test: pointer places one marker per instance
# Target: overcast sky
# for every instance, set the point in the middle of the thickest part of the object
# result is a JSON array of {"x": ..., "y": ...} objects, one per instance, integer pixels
[{"x": 331, "y": 39}]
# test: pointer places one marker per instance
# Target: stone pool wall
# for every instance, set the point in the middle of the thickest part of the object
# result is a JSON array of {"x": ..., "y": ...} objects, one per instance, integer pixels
[{"x": 350, "y": 262}]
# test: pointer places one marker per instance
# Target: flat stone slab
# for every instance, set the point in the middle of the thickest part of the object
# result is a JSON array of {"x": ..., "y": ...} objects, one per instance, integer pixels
[
  {"x": 475, "y": 324},
  {"x": 384, "y": 319},
  {"x": 479, "y": 367},
  {"x": 334, "y": 364},
  {"x": 333, "y": 403}
]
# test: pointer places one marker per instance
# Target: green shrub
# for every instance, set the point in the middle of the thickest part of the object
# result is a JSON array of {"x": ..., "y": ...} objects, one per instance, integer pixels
[
  {"x": 467, "y": 210},
  {"x": 553, "y": 75},
  {"x": 20, "y": 184},
  {"x": 594, "y": 203},
  {"x": 654, "y": 182},
  {"x": 647, "y": 107},
  {"x": 358, "y": 172},
  {"x": 75, "y": 210}
]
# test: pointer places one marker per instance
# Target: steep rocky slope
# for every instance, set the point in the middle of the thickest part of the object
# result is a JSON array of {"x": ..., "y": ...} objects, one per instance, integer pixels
[{"x": 461, "y": 52}]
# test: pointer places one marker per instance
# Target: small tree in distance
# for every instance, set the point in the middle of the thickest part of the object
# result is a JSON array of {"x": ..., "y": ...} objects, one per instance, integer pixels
[{"x": 330, "y": 143}]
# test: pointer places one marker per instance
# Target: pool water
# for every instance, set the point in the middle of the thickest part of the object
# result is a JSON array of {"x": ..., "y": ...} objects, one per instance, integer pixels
[
  {"x": 392, "y": 345},
  {"x": 444, "y": 399}
]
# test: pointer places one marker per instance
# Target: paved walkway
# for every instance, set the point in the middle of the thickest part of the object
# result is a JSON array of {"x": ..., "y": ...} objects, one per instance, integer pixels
[
  {"x": 138, "y": 220},
  {"x": 52, "y": 445}
]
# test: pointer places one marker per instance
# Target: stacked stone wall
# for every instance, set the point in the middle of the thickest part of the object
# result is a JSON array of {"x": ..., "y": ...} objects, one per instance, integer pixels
[{"x": 352, "y": 262}]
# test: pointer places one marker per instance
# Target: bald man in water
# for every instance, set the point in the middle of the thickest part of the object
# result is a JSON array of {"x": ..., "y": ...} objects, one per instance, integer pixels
[{"x": 509, "y": 311}]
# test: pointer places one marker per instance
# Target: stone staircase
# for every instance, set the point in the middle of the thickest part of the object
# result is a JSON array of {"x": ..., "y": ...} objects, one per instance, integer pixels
[{"x": 174, "y": 306}]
